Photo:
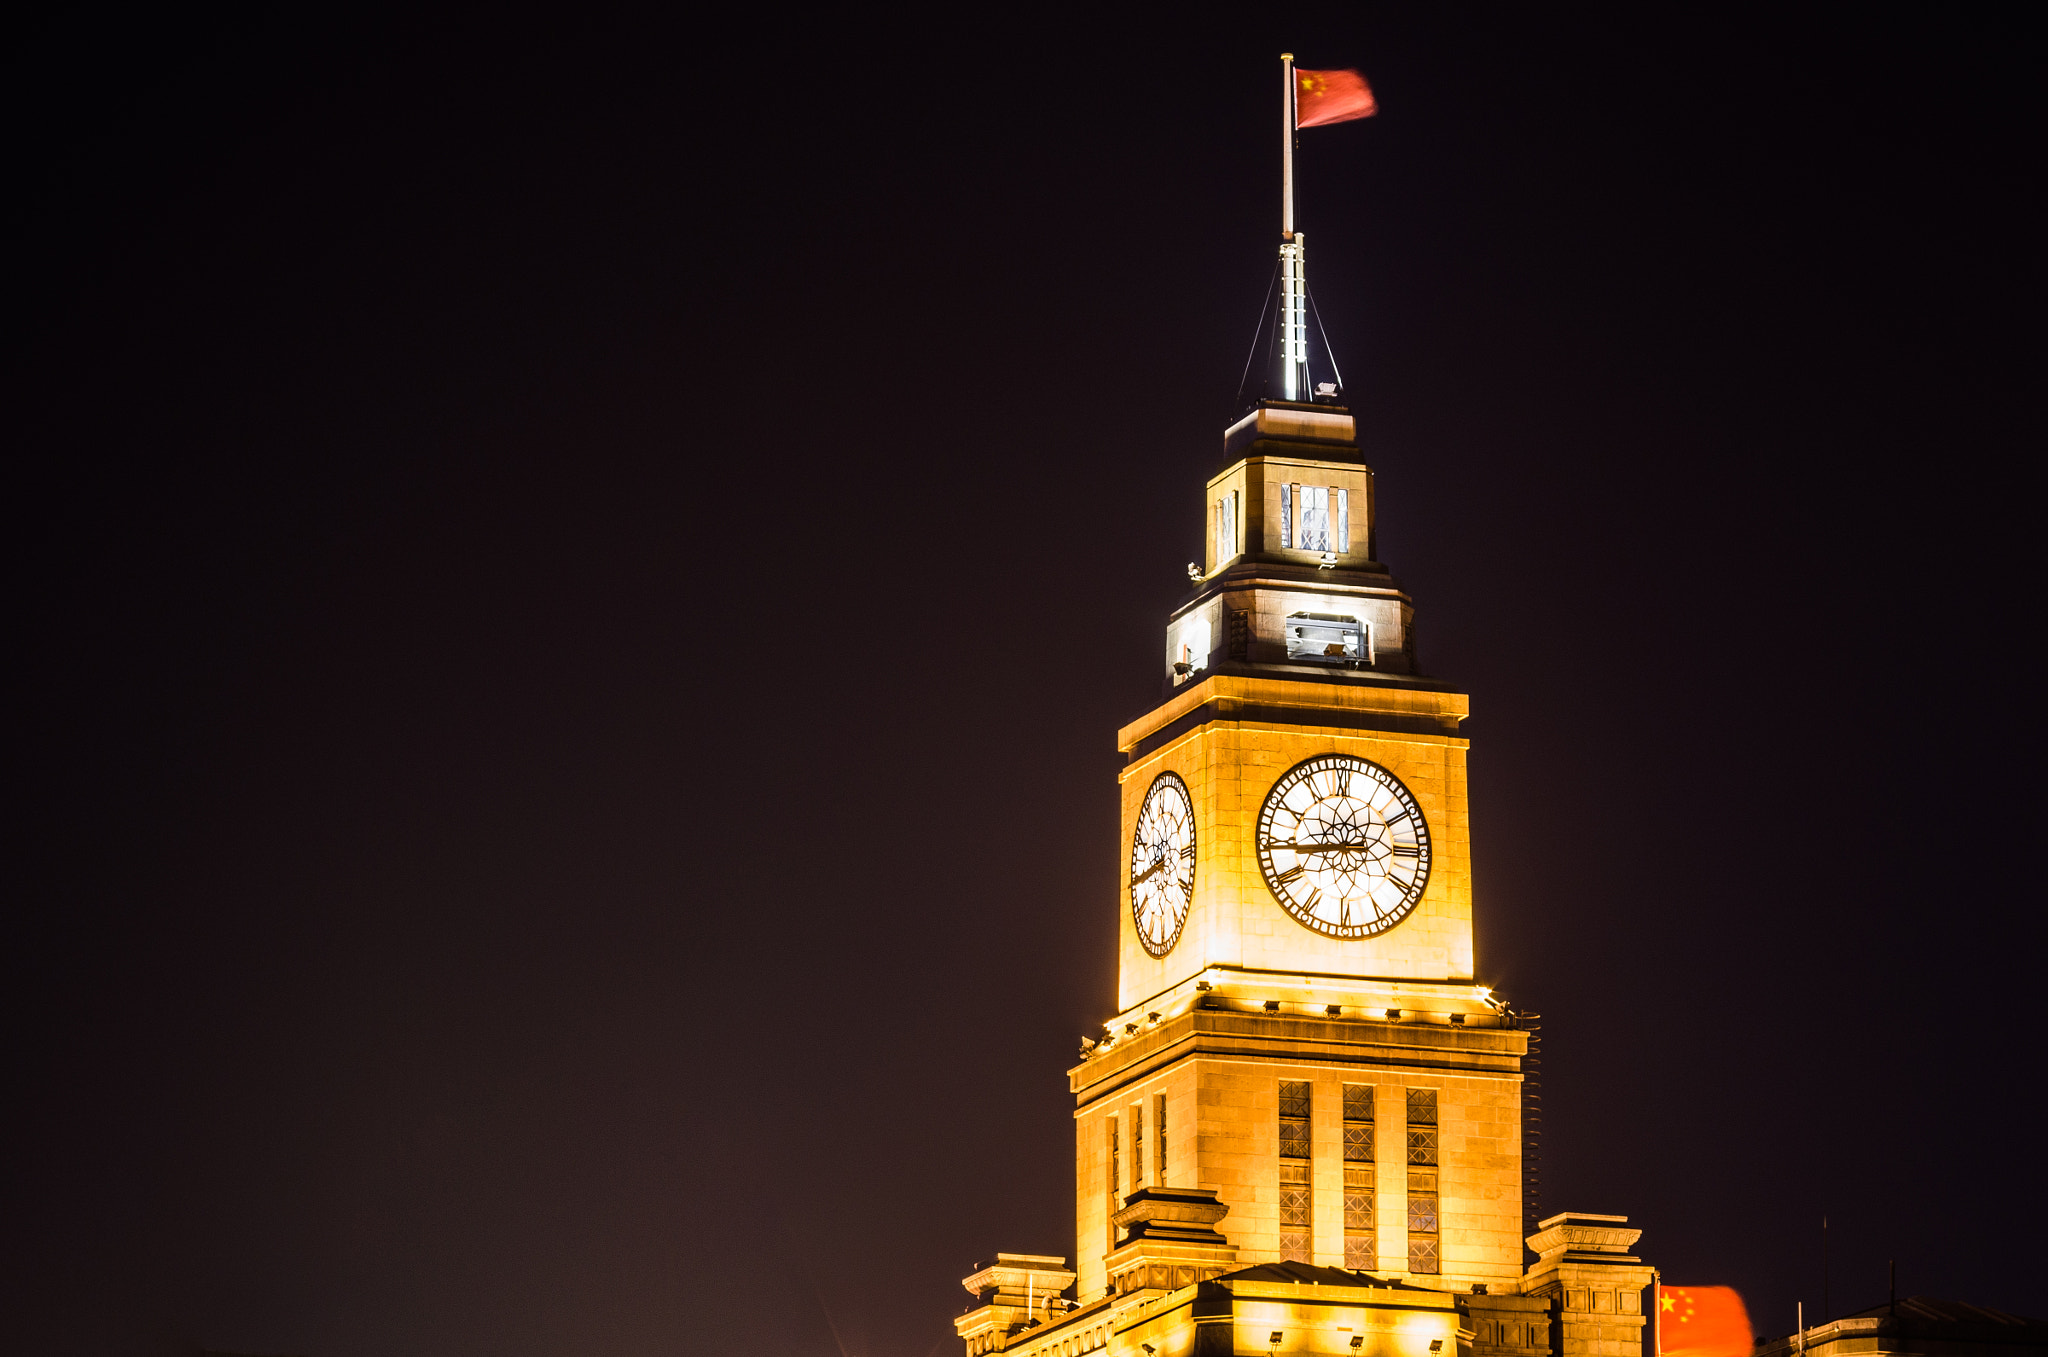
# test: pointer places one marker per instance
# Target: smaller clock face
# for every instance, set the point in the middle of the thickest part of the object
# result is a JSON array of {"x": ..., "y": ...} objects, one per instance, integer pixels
[
  {"x": 1163, "y": 864},
  {"x": 1343, "y": 846}
]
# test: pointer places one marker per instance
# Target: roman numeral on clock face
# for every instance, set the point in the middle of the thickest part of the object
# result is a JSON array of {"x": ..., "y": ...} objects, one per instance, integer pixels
[
  {"x": 1407, "y": 850},
  {"x": 1290, "y": 874}
]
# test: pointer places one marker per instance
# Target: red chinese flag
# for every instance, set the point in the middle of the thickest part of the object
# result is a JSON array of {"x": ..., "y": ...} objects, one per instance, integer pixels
[
  {"x": 1702, "y": 1321},
  {"x": 1331, "y": 97}
]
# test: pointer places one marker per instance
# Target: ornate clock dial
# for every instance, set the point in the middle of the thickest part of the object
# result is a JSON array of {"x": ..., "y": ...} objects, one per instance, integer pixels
[
  {"x": 1343, "y": 846},
  {"x": 1163, "y": 864}
]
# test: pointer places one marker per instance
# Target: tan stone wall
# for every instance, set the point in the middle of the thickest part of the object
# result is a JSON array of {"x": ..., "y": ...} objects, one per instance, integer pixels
[
  {"x": 1236, "y": 1153},
  {"x": 1229, "y": 767},
  {"x": 1092, "y": 1211}
]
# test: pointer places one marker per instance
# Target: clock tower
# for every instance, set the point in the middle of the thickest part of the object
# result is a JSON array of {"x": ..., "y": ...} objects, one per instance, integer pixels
[
  {"x": 1304, "y": 1128},
  {"x": 1300, "y": 1032}
]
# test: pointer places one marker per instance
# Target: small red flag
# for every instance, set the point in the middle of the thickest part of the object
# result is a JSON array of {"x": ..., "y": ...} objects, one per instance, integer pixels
[
  {"x": 1702, "y": 1321},
  {"x": 1331, "y": 97}
]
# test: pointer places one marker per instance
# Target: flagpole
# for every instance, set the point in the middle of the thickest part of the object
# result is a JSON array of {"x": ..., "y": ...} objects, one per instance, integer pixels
[
  {"x": 1293, "y": 276},
  {"x": 1287, "y": 146}
]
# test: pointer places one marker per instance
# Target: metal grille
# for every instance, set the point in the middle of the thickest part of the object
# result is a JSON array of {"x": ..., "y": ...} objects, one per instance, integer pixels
[
  {"x": 1358, "y": 1142},
  {"x": 1297, "y": 1205},
  {"x": 1358, "y": 1102},
  {"x": 1361, "y": 1252},
  {"x": 1422, "y": 1254},
  {"x": 1422, "y": 1146},
  {"x": 1421, "y": 1214},
  {"x": 1294, "y": 1119},
  {"x": 1422, "y": 1107},
  {"x": 1358, "y": 1190},
  {"x": 1294, "y": 1208}
]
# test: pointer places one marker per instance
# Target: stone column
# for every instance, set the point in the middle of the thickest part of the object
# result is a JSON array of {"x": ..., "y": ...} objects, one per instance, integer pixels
[{"x": 1593, "y": 1284}]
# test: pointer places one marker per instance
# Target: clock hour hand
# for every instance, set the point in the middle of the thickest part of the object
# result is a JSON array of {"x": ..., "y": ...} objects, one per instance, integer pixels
[{"x": 1140, "y": 877}]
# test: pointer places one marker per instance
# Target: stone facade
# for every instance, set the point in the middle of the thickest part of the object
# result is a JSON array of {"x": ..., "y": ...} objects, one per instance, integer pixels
[{"x": 1287, "y": 1141}]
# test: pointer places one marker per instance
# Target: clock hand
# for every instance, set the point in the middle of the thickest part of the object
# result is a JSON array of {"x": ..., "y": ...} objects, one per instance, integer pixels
[
  {"x": 1322, "y": 847},
  {"x": 1139, "y": 879}
]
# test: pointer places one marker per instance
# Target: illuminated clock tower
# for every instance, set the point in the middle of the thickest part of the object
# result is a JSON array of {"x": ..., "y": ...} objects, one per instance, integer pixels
[
  {"x": 1303, "y": 1130},
  {"x": 1300, "y": 1029}
]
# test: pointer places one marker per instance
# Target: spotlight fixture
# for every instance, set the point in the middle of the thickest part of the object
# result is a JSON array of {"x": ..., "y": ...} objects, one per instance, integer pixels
[
  {"x": 1275, "y": 1339},
  {"x": 1149, "y": 1349},
  {"x": 1328, "y": 561},
  {"x": 1204, "y": 986},
  {"x": 1457, "y": 1019},
  {"x": 1436, "y": 1345},
  {"x": 1326, "y": 388},
  {"x": 1393, "y": 1015},
  {"x": 1357, "y": 1341},
  {"x": 1129, "y": 1028},
  {"x": 1334, "y": 1010},
  {"x": 1152, "y": 1017},
  {"x": 1194, "y": 573},
  {"x": 1272, "y": 1005}
]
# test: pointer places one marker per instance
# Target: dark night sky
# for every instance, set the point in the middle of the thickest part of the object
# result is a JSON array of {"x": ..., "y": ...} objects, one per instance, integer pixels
[{"x": 574, "y": 581}]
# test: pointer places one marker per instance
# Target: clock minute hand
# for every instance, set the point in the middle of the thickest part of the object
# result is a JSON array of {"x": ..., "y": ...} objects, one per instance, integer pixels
[{"x": 1323, "y": 847}]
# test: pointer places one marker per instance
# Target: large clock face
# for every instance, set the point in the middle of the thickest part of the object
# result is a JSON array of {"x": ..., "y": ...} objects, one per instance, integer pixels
[
  {"x": 1163, "y": 864},
  {"x": 1343, "y": 846}
]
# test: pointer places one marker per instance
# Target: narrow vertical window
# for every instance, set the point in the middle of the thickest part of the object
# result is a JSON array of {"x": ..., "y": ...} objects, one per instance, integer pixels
[
  {"x": 1226, "y": 528},
  {"x": 1115, "y": 1173},
  {"x": 1343, "y": 518},
  {"x": 1286, "y": 514},
  {"x": 1137, "y": 1145},
  {"x": 1159, "y": 1139},
  {"x": 1361, "y": 1242},
  {"x": 1315, "y": 518},
  {"x": 1297, "y": 1220},
  {"x": 1236, "y": 545},
  {"x": 1422, "y": 1181}
]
